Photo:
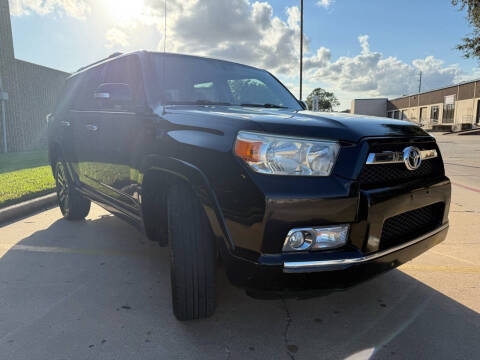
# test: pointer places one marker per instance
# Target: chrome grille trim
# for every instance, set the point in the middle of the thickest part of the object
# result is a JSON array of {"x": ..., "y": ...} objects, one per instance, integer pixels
[{"x": 392, "y": 157}]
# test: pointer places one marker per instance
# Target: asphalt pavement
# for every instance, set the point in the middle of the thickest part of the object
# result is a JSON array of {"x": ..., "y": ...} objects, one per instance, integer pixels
[{"x": 99, "y": 290}]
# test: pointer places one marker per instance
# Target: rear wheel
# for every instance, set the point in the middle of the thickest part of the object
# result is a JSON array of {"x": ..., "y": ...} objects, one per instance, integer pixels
[
  {"x": 192, "y": 256},
  {"x": 72, "y": 204}
]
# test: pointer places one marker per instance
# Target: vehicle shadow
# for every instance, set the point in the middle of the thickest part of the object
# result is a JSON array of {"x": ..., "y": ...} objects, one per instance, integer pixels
[{"x": 99, "y": 289}]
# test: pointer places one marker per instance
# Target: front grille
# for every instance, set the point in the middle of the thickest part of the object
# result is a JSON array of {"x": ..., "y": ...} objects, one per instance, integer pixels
[
  {"x": 410, "y": 225},
  {"x": 380, "y": 175}
]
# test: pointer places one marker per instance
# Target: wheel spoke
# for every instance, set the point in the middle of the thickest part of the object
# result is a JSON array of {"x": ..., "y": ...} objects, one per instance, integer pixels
[
  {"x": 62, "y": 186},
  {"x": 60, "y": 181},
  {"x": 62, "y": 196}
]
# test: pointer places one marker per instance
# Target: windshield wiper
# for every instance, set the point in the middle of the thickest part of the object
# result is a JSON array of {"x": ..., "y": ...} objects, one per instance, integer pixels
[
  {"x": 198, "y": 102},
  {"x": 208, "y": 102},
  {"x": 268, "y": 106}
]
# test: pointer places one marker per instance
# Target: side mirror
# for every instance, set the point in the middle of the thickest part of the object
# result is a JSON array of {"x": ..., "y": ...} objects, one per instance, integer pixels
[
  {"x": 113, "y": 95},
  {"x": 303, "y": 104}
]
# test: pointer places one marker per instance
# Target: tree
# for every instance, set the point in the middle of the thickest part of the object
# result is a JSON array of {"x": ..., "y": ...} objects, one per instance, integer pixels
[
  {"x": 470, "y": 45},
  {"x": 326, "y": 100}
]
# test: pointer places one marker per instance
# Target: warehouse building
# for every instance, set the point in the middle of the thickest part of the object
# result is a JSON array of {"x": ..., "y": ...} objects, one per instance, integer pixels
[
  {"x": 28, "y": 93},
  {"x": 455, "y": 106},
  {"x": 373, "y": 107}
]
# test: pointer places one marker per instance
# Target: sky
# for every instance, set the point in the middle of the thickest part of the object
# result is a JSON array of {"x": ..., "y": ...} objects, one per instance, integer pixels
[{"x": 354, "y": 48}]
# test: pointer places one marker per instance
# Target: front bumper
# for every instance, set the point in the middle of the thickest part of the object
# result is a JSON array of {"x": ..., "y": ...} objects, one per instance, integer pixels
[
  {"x": 341, "y": 264},
  {"x": 362, "y": 259},
  {"x": 328, "y": 274}
]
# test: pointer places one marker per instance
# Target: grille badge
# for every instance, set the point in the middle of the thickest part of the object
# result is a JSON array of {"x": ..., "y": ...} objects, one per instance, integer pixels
[{"x": 412, "y": 158}]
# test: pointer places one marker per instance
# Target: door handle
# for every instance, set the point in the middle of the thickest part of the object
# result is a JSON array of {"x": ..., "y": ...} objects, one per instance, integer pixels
[
  {"x": 91, "y": 127},
  {"x": 65, "y": 123}
]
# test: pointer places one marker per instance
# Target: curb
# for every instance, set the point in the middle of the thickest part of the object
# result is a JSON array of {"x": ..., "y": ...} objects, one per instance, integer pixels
[
  {"x": 470, "y": 132},
  {"x": 26, "y": 208},
  {"x": 464, "y": 132}
]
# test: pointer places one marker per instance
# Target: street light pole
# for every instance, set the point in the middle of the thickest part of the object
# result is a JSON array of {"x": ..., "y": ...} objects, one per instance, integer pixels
[
  {"x": 3, "y": 99},
  {"x": 301, "y": 47}
]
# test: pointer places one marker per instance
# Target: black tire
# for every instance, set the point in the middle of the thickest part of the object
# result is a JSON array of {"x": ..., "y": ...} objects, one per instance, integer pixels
[
  {"x": 72, "y": 204},
  {"x": 193, "y": 261}
]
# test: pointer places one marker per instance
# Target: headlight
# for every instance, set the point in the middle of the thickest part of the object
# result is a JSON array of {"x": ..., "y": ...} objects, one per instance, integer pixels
[{"x": 282, "y": 155}]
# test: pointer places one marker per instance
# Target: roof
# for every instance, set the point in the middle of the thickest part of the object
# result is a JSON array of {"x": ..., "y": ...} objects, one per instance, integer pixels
[
  {"x": 118, "y": 55},
  {"x": 372, "y": 99},
  {"x": 200, "y": 57},
  {"x": 436, "y": 89},
  {"x": 41, "y": 66}
]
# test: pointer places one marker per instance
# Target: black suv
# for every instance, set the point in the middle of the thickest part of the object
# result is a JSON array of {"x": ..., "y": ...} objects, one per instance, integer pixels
[{"x": 220, "y": 162}]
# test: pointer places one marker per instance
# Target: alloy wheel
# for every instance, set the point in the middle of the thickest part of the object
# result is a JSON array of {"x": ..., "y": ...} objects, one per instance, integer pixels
[{"x": 62, "y": 187}]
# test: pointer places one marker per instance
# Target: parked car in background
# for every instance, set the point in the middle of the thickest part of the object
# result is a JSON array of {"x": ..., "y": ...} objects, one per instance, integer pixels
[{"x": 219, "y": 160}]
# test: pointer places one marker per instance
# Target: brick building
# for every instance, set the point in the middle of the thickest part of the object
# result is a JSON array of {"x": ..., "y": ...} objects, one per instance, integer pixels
[
  {"x": 451, "y": 106},
  {"x": 32, "y": 91},
  {"x": 456, "y": 105}
]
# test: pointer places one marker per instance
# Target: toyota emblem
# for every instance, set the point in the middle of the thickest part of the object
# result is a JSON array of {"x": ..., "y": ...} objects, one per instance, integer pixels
[{"x": 412, "y": 158}]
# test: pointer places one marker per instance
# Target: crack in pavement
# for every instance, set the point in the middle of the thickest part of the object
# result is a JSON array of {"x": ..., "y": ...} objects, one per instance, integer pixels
[{"x": 288, "y": 321}]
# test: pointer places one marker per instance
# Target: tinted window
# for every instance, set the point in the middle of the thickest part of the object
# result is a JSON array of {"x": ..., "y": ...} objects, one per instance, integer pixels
[
  {"x": 448, "y": 113},
  {"x": 90, "y": 80},
  {"x": 190, "y": 80},
  {"x": 127, "y": 70},
  {"x": 434, "y": 113},
  {"x": 68, "y": 94},
  {"x": 252, "y": 91}
]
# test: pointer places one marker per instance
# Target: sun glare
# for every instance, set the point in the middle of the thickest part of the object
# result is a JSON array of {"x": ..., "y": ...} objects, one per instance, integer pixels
[{"x": 124, "y": 11}]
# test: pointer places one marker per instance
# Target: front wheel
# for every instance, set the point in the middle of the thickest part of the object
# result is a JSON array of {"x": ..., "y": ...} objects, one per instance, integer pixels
[
  {"x": 192, "y": 256},
  {"x": 72, "y": 204}
]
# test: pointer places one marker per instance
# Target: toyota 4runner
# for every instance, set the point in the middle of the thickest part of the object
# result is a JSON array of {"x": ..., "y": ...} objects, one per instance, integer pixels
[{"x": 220, "y": 162}]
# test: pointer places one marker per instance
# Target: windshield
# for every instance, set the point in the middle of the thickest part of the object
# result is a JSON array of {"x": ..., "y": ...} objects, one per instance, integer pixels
[{"x": 190, "y": 81}]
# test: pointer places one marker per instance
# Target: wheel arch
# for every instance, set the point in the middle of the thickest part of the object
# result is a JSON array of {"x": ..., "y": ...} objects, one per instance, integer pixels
[{"x": 162, "y": 172}]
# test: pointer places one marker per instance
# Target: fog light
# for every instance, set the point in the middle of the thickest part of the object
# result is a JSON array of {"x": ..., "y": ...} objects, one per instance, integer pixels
[
  {"x": 298, "y": 239},
  {"x": 316, "y": 238}
]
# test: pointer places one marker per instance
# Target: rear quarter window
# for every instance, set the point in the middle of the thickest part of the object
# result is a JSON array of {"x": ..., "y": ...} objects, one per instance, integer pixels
[{"x": 90, "y": 81}]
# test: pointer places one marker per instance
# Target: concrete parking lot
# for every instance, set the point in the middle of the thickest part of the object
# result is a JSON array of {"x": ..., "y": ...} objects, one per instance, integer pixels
[{"x": 99, "y": 290}]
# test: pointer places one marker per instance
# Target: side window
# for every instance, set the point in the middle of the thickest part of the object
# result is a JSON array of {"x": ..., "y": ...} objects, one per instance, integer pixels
[
  {"x": 90, "y": 80},
  {"x": 127, "y": 70},
  {"x": 434, "y": 113},
  {"x": 68, "y": 94},
  {"x": 204, "y": 91}
]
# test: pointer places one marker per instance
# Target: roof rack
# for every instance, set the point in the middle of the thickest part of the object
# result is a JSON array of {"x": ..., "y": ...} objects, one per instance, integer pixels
[{"x": 99, "y": 61}]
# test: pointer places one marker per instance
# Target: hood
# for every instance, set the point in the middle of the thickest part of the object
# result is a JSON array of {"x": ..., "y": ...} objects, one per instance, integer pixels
[{"x": 335, "y": 126}]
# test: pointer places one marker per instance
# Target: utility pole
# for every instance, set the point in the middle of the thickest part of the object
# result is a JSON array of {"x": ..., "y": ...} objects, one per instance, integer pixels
[
  {"x": 420, "y": 83},
  {"x": 3, "y": 100},
  {"x": 301, "y": 47}
]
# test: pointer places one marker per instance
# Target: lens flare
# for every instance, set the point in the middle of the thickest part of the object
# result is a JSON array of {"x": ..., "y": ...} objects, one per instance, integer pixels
[{"x": 125, "y": 11}]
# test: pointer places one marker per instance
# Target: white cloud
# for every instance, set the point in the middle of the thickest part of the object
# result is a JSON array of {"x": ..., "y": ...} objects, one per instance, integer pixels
[
  {"x": 251, "y": 32},
  {"x": 325, "y": 3},
  {"x": 74, "y": 8},
  {"x": 236, "y": 30},
  {"x": 319, "y": 60},
  {"x": 239, "y": 30},
  {"x": 116, "y": 37},
  {"x": 370, "y": 73}
]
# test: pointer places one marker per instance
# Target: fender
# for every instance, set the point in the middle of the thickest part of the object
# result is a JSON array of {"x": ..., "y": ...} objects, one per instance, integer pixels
[{"x": 179, "y": 170}]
